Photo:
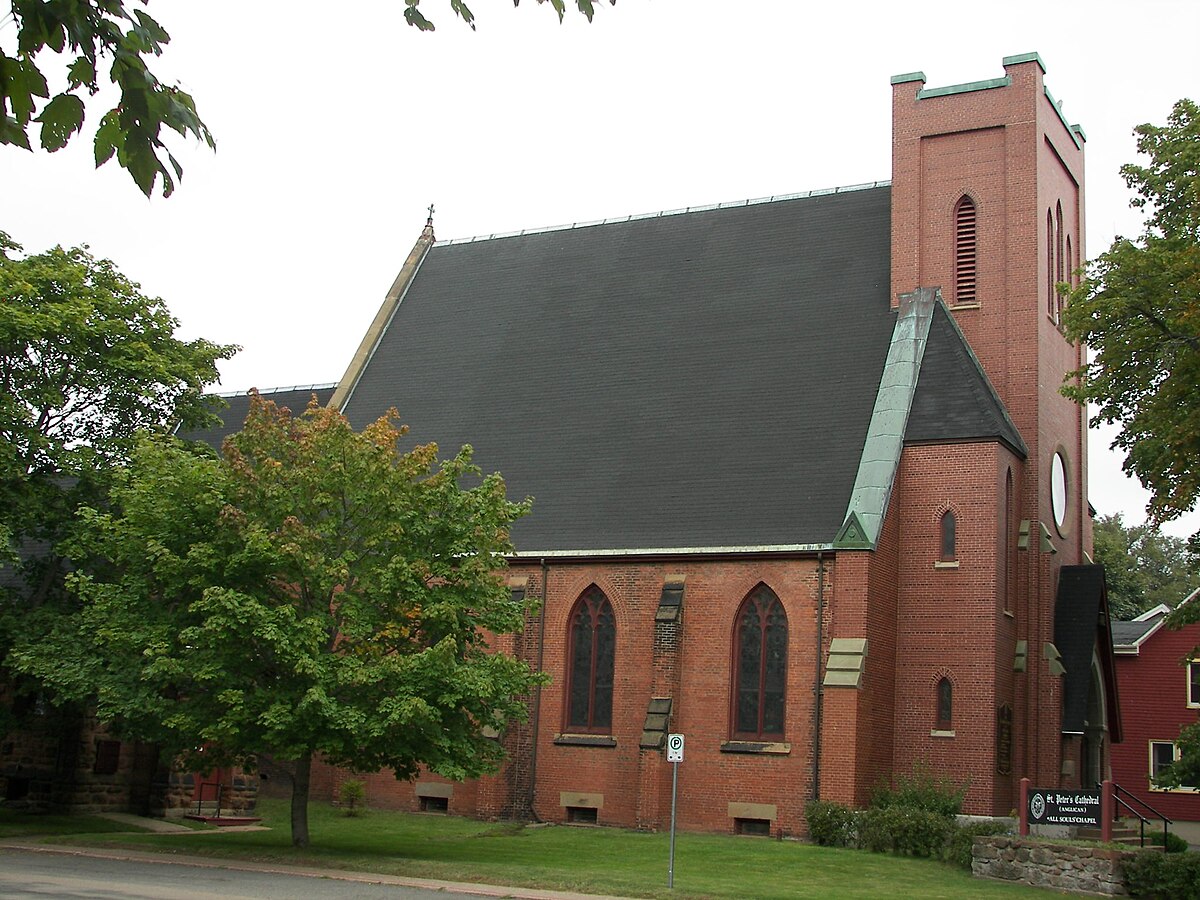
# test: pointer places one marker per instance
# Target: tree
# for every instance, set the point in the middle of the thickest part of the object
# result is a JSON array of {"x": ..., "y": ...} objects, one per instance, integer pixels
[
  {"x": 316, "y": 591},
  {"x": 86, "y": 362},
  {"x": 90, "y": 33},
  {"x": 1143, "y": 567},
  {"x": 1139, "y": 312}
]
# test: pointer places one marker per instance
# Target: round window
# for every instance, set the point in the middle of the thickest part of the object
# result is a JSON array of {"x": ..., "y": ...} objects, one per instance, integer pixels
[{"x": 1058, "y": 489}]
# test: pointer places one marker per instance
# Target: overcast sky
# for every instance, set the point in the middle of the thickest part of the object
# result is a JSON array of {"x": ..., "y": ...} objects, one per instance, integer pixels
[{"x": 337, "y": 125}]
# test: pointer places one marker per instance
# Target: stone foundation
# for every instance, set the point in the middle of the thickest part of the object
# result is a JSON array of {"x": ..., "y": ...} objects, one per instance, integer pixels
[{"x": 1094, "y": 870}]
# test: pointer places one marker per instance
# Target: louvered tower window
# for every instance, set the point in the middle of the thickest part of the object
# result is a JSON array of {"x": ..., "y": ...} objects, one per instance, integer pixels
[{"x": 964, "y": 251}]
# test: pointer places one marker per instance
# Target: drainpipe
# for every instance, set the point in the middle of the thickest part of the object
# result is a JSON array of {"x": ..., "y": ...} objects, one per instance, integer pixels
[
  {"x": 818, "y": 688},
  {"x": 537, "y": 697}
]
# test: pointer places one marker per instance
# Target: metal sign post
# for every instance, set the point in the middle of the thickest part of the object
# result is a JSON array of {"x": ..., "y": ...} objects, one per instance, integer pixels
[{"x": 674, "y": 757}]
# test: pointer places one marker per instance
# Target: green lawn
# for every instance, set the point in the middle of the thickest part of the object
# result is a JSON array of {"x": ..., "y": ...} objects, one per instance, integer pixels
[
  {"x": 593, "y": 860},
  {"x": 15, "y": 824}
]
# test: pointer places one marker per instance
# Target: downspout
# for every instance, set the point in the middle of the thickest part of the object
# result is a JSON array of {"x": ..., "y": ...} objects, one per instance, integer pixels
[
  {"x": 818, "y": 688},
  {"x": 537, "y": 697}
]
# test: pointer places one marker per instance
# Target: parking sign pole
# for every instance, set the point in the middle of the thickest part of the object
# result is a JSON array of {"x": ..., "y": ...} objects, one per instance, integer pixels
[
  {"x": 671, "y": 861},
  {"x": 674, "y": 757}
]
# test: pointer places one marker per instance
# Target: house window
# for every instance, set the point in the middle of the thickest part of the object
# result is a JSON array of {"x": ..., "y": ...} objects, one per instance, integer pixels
[
  {"x": 1162, "y": 754},
  {"x": 760, "y": 666},
  {"x": 947, "y": 531},
  {"x": 1193, "y": 685},
  {"x": 592, "y": 639},
  {"x": 943, "y": 720},
  {"x": 964, "y": 251}
]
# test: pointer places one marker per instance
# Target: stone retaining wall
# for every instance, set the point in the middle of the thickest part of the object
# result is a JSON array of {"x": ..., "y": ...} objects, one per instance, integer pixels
[{"x": 1096, "y": 870}]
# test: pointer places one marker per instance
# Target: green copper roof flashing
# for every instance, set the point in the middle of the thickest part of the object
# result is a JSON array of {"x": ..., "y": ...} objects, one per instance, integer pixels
[
  {"x": 990, "y": 83},
  {"x": 907, "y": 77},
  {"x": 885, "y": 434},
  {"x": 1024, "y": 58},
  {"x": 1074, "y": 131}
]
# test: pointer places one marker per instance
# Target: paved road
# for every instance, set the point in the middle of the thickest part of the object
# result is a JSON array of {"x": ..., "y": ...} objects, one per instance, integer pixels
[{"x": 36, "y": 875}]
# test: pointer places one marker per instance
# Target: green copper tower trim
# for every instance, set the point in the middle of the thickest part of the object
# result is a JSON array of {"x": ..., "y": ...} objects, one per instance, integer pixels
[{"x": 889, "y": 420}]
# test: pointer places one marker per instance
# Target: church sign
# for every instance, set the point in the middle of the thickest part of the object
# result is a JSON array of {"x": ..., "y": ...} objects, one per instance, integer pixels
[{"x": 1057, "y": 807}]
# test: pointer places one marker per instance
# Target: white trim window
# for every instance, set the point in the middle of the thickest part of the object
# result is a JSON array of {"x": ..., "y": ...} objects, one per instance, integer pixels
[
  {"x": 1162, "y": 754},
  {"x": 1193, "y": 684}
]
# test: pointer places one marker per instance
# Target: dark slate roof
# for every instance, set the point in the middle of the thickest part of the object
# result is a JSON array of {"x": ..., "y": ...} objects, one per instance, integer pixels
[
  {"x": 232, "y": 410},
  {"x": 1127, "y": 634},
  {"x": 700, "y": 380},
  {"x": 954, "y": 400},
  {"x": 1082, "y": 628}
]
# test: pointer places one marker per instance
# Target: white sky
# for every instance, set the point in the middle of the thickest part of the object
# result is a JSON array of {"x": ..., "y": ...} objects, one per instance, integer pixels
[{"x": 337, "y": 125}]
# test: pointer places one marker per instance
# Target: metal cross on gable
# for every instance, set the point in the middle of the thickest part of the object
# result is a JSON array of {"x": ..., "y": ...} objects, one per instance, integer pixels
[{"x": 430, "y": 210}]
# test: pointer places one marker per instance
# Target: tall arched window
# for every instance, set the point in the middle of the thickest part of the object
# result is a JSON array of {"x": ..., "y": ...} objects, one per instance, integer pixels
[
  {"x": 592, "y": 640},
  {"x": 964, "y": 251},
  {"x": 944, "y": 712},
  {"x": 1009, "y": 545},
  {"x": 1060, "y": 263},
  {"x": 760, "y": 666},
  {"x": 947, "y": 535},
  {"x": 1050, "y": 264}
]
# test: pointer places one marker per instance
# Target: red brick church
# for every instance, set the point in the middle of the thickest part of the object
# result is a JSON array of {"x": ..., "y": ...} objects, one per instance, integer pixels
[{"x": 805, "y": 490}]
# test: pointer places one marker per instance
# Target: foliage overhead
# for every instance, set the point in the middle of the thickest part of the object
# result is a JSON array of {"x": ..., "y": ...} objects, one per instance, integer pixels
[
  {"x": 414, "y": 17},
  {"x": 1139, "y": 312},
  {"x": 90, "y": 34},
  {"x": 1143, "y": 567},
  {"x": 316, "y": 591}
]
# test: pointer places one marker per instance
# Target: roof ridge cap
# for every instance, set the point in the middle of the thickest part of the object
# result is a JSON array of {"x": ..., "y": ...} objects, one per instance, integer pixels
[{"x": 616, "y": 220}]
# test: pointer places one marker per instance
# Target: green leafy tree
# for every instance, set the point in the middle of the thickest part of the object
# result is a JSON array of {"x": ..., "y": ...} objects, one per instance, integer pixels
[
  {"x": 316, "y": 591},
  {"x": 1143, "y": 567},
  {"x": 86, "y": 362},
  {"x": 1139, "y": 312},
  {"x": 90, "y": 34}
]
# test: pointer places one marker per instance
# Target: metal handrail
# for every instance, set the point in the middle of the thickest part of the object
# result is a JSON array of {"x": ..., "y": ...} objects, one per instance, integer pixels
[
  {"x": 200, "y": 797},
  {"x": 1118, "y": 791}
]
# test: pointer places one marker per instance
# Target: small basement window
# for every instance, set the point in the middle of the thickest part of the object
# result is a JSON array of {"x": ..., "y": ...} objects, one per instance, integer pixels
[
  {"x": 582, "y": 815},
  {"x": 752, "y": 827},
  {"x": 435, "y": 804}
]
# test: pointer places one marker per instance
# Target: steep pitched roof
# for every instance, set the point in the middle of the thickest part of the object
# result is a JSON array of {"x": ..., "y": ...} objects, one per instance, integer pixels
[
  {"x": 955, "y": 401},
  {"x": 231, "y": 410},
  {"x": 693, "y": 381}
]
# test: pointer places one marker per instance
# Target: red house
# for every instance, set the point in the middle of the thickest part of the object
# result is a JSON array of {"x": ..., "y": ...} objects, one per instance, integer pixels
[{"x": 1158, "y": 673}]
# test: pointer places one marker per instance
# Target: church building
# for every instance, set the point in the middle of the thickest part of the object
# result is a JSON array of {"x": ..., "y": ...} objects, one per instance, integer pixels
[{"x": 805, "y": 489}]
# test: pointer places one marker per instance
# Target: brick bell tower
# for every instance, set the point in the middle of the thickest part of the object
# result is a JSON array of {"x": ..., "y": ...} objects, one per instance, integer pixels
[{"x": 987, "y": 205}]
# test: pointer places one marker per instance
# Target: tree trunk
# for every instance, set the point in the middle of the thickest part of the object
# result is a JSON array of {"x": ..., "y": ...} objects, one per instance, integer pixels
[{"x": 300, "y": 782}]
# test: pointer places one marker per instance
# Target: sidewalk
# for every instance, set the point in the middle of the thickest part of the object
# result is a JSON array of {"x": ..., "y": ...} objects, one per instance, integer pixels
[{"x": 204, "y": 862}]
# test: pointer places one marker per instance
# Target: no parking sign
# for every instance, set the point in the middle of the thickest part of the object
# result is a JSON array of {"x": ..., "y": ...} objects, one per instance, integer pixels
[{"x": 674, "y": 748}]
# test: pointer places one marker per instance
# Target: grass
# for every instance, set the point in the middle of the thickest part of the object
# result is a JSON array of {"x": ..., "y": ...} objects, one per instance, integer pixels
[
  {"x": 15, "y": 824},
  {"x": 590, "y": 860}
]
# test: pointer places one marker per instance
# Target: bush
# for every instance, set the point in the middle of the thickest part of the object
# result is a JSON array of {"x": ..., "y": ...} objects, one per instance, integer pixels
[
  {"x": 352, "y": 794},
  {"x": 922, "y": 790},
  {"x": 1174, "y": 843},
  {"x": 830, "y": 824},
  {"x": 1171, "y": 876},
  {"x": 904, "y": 830},
  {"x": 958, "y": 847}
]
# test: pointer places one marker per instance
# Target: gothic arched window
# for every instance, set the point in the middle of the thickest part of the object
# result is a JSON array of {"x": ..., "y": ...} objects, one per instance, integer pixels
[
  {"x": 760, "y": 666},
  {"x": 592, "y": 643},
  {"x": 948, "y": 536},
  {"x": 944, "y": 715}
]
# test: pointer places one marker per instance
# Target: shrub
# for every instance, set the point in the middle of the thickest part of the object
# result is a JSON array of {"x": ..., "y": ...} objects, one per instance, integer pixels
[
  {"x": 1173, "y": 844},
  {"x": 830, "y": 824},
  {"x": 352, "y": 794},
  {"x": 1169, "y": 876},
  {"x": 958, "y": 847},
  {"x": 903, "y": 830},
  {"x": 922, "y": 790}
]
